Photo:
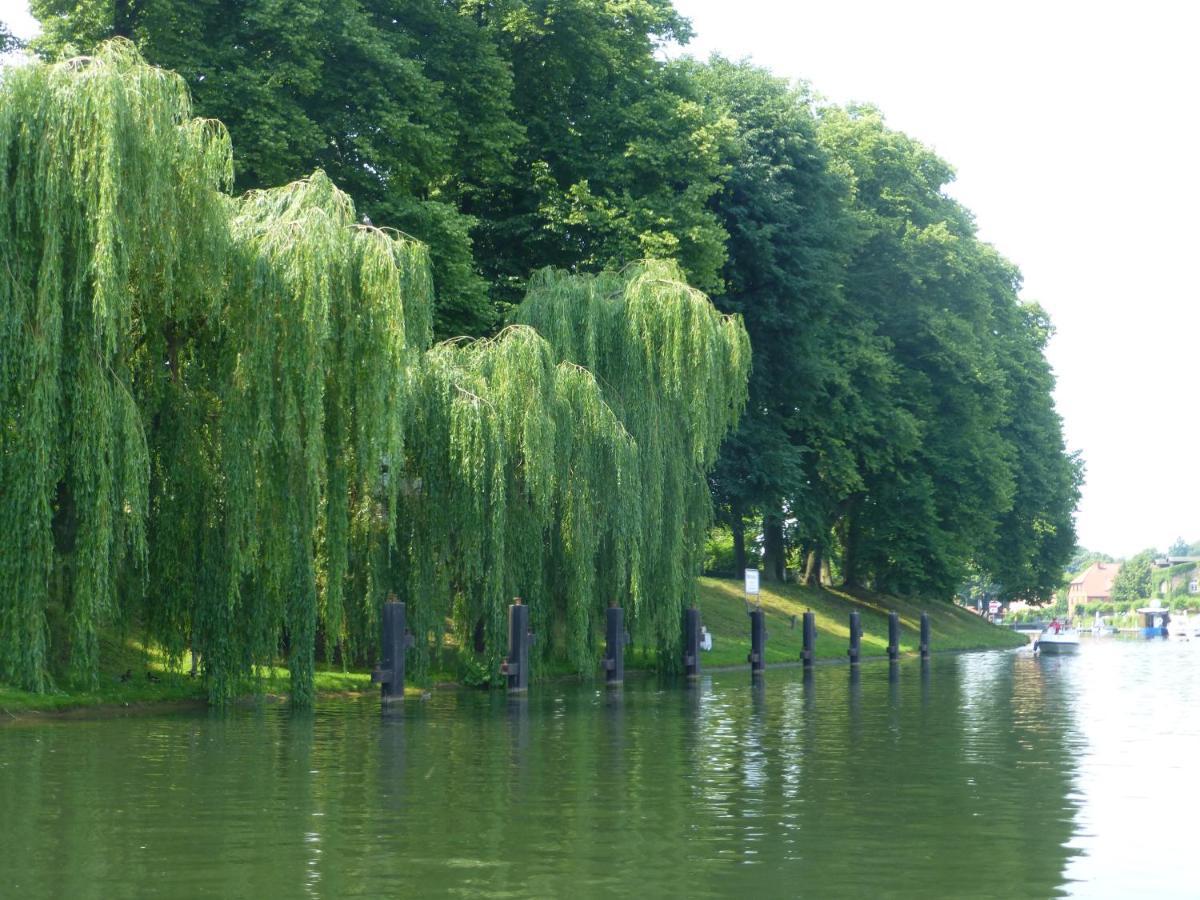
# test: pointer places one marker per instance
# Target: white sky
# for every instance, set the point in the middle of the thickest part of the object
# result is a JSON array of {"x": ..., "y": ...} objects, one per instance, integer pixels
[{"x": 1073, "y": 130}]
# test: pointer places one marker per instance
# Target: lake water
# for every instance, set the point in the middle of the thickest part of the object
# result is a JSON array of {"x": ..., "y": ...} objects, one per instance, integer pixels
[{"x": 988, "y": 775}]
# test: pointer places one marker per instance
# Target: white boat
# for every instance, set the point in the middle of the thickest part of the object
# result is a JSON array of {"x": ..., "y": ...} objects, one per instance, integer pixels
[{"x": 1057, "y": 643}]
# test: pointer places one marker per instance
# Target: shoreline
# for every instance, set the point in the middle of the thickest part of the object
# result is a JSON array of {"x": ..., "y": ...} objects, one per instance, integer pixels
[
  {"x": 722, "y": 602},
  {"x": 85, "y": 711}
]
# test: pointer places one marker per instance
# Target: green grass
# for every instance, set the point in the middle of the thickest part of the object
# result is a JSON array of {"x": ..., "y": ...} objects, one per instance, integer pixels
[
  {"x": 724, "y": 612},
  {"x": 134, "y": 674},
  {"x": 153, "y": 680}
]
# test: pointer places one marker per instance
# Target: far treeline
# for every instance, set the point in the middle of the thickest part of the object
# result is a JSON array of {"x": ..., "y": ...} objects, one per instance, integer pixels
[{"x": 256, "y": 443}]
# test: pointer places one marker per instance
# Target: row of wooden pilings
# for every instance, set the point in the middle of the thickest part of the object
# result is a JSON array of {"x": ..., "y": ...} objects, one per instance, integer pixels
[{"x": 515, "y": 668}]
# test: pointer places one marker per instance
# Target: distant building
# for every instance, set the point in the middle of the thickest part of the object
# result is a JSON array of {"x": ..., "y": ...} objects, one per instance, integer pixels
[
  {"x": 1181, "y": 570},
  {"x": 1092, "y": 585}
]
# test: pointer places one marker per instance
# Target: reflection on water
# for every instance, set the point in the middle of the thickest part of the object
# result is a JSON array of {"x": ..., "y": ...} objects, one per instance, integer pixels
[{"x": 991, "y": 774}]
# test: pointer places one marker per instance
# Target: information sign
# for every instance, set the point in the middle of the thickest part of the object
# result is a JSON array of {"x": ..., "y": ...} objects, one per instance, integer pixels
[{"x": 752, "y": 581}]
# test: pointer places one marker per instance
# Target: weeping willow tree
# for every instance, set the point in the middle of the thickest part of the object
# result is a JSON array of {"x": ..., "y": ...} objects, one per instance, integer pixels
[
  {"x": 565, "y": 462},
  {"x": 107, "y": 200},
  {"x": 197, "y": 392},
  {"x": 673, "y": 371},
  {"x": 522, "y": 482}
]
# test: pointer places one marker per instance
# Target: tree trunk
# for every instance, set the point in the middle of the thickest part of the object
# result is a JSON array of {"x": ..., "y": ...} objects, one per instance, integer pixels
[
  {"x": 812, "y": 571},
  {"x": 737, "y": 526},
  {"x": 850, "y": 573},
  {"x": 773, "y": 550}
]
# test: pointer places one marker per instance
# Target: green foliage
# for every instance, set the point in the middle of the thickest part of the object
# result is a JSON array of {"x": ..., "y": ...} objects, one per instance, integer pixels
[
  {"x": 200, "y": 396},
  {"x": 1174, "y": 582},
  {"x": 406, "y": 106},
  {"x": 673, "y": 371},
  {"x": 620, "y": 154},
  {"x": 91, "y": 203},
  {"x": 507, "y": 136},
  {"x": 1134, "y": 580},
  {"x": 720, "y": 561},
  {"x": 524, "y": 484},
  {"x": 197, "y": 392},
  {"x": 9, "y": 42},
  {"x": 986, "y": 483},
  {"x": 813, "y": 420},
  {"x": 1180, "y": 548}
]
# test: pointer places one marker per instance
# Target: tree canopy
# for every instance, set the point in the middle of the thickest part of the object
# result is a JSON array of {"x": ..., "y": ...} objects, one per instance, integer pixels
[
  {"x": 1134, "y": 580},
  {"x": 220, "y": 416},
  {"x": 224, "y": 416}
]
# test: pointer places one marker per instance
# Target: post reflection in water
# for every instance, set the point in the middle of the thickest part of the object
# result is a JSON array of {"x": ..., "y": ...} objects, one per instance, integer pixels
[{"x": 990, "y": 774}]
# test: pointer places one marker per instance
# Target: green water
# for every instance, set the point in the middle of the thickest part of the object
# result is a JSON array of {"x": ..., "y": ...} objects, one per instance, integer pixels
[{"x": 992, "y": 774}]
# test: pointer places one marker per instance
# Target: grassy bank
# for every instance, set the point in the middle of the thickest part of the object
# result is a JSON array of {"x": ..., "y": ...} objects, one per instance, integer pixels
[
  {"x": 163, "y": 687},
  {"x": 135, "y": 675},
  {"x": 724, "y": 611}
]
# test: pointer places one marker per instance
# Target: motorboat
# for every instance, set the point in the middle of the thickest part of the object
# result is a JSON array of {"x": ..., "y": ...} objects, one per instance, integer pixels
[
  {"x": 1101, "y": 627},
  {"x": 1057, "y": 643}
]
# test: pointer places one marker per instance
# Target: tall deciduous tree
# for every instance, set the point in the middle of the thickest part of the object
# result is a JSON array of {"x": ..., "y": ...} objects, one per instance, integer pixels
[
  {"x": 784, "y": 210},
  {"x": 620, "y": 155},
  {"x": 1133, "y": 581},
  {"x": 1037, "y": 533},
  {"x": 987, "y": 483}
]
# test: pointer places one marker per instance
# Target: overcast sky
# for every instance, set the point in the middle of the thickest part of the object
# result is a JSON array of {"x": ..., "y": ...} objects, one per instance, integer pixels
[{"x": 1073, "y": 130}]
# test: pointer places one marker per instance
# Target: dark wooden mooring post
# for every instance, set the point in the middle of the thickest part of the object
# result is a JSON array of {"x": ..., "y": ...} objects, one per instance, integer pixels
[
  {"x": 615, "y": 639},
  {"x": 758, "y": 644},
  {"x": 516, "y": 667},
  {"x": 394, "y": 637},
  {"x": 925, "y": 636},
  {"x": 691, "y": 642},
  {"x": 810, "y": 639},
  {"x": 855, "y": 638},
  {"x": 893, "y": 636}
]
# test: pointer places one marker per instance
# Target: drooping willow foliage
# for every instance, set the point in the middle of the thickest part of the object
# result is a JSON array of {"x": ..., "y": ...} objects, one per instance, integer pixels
[
  {"x": 673, "y": 370},
  {"x": 565, "y": 462},
  {"x": 197, "y": 393},
  {"x": 520, "y": 481},
  {"x": 219, "y": 418},
  {"x": 107, "y": 197}
]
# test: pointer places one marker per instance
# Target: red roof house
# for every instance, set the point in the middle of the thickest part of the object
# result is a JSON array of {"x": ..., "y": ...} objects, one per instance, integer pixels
[{"x": 1091, "y": 585}]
